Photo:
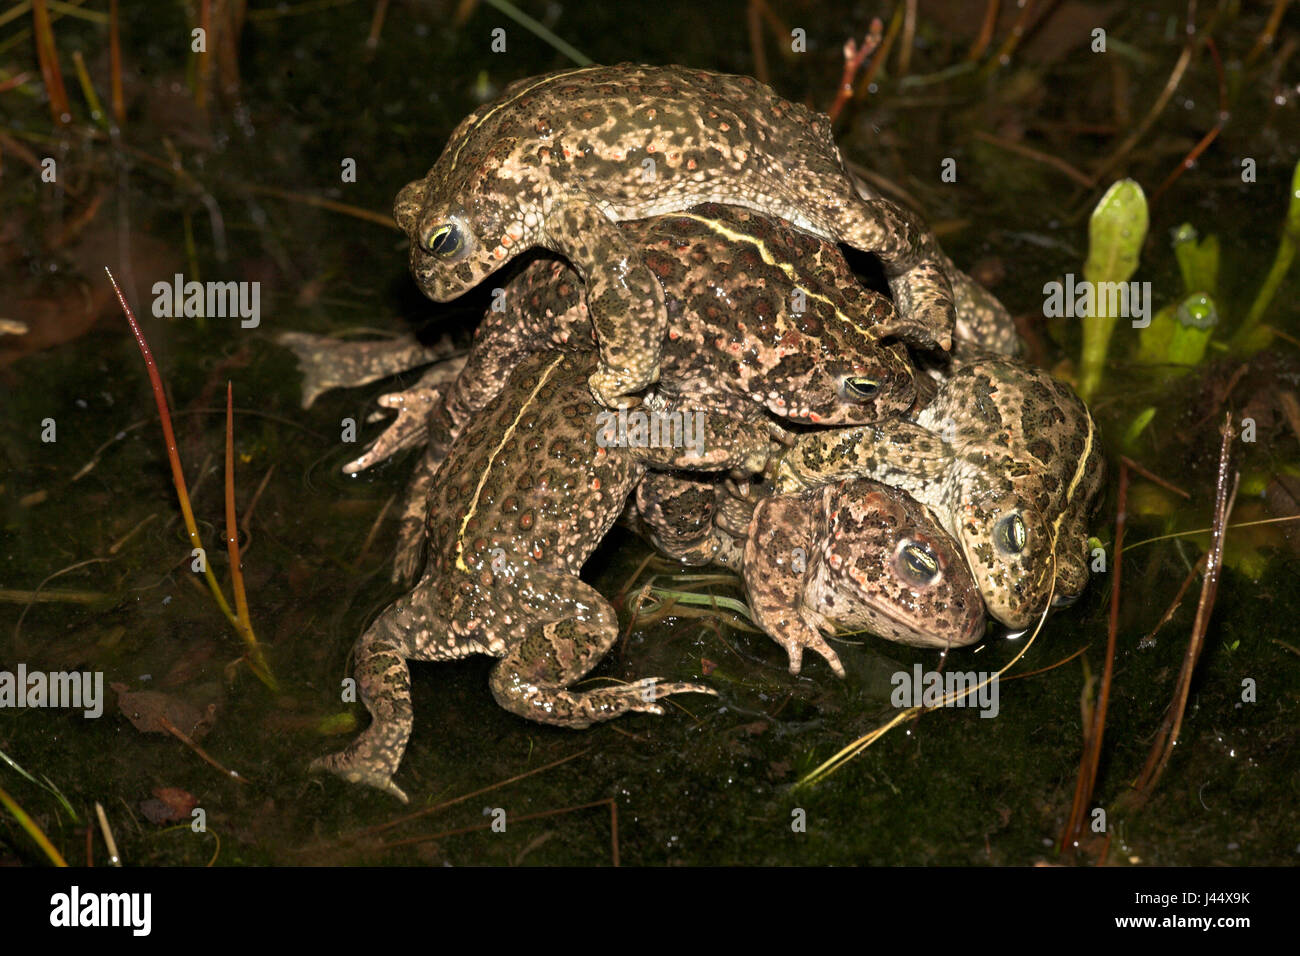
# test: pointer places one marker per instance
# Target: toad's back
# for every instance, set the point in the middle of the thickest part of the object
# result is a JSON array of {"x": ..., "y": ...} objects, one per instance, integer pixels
[
  {"x": 709, "y": 136},
  {"x": 526, "y": 478}
]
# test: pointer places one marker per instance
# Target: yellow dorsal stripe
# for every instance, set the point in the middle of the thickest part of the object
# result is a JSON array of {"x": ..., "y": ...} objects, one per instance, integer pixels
[
  {"x": 1069, "y": 494},
  {"x": 514, "y": 99},
  {"x": 487, "y": 469},
  {"x": 1078, "y": 474},
  {"x": 785, "y": 267}
]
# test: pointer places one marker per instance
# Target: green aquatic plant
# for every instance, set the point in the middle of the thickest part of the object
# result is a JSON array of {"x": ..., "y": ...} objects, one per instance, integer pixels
[
  {"x": 1116, "y": 231},
  {"x": 45, "y": 783},
  {"x": 1179, "y": 335},
  {"x": 1136, "y": 427},
  {"x": 1198, "y": 259},
  {"x": 1251, "y": 336}
]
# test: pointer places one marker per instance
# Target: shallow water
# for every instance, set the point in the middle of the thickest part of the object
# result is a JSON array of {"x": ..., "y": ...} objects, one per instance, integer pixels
[{"x": 95, "y": 563}]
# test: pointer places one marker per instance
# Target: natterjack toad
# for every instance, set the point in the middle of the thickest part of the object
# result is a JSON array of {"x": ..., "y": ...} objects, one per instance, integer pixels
[
  {"x": 760, "y": 315},
  {"x": 762, "y": 318},
  {"x": 847, "y": 556},
  {"x": 526, "y": 493},
  {"x": 1008, "y": 458},
  {"x": 558, "y": 159}
]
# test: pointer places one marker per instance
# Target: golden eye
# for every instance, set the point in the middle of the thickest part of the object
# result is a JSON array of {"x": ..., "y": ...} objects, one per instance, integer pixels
[
  {"x": 445, "y": 241},
  {"x": 860, "y": 389},
  {"x": 917, "y": 562},
  {"x": 1010, "y": 535}
]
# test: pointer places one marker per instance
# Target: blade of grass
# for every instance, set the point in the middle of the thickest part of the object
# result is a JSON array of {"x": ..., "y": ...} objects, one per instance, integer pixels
[
  {"x": 845, "y": 754},
  {"x": 178, "y": 475},
  {"x": 539, "y": 31},
  {"x": 474, "y": 828},
  {"x": 436, "y": 808},
  {"x": 1247, "y": 338},
  {"x": 33, "y": 831},
  {"x": 107, "y": 831},
  {"x": 45, "y": 783},
  {"x": 244, "y": 623},
  {"x": 88, "y": 91},
  {"x": 1267, "y": 35},
  {"x": 48, "y": 57}
]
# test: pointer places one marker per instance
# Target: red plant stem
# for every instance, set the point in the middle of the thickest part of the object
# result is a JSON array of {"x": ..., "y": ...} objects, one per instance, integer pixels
[
  {"x": 1267, "y": 35},
  {"x": 1190, "y": 159},
  {"x": 1003, "y": 55},
  {"x": 886, "y": 47},
  {"x": 1088, "y": 763},
  {"x": 115, "y": 65},
  {"x": 853, "y": 60},
  {"x": 1153, "y": 477},
  {"x": 986, "y": 31},
  {"x": 1167, "y": 735},
  {"x": 169, "y": 436},
  {"x": 48, "y": 56}
]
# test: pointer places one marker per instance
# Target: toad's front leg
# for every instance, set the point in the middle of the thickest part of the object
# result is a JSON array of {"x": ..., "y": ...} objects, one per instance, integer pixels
[
  {"x": 689, "y": 439},
  {"x": 572, "y": 629},
  {"x": 896, "y": 453},
  {"x": 780, "y": 553},
  {"x": 624, "y": 299},
  {"x": 676, "y": 515}
]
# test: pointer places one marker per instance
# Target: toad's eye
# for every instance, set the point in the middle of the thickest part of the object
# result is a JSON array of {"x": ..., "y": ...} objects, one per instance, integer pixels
[
  {"x": 1009, "y": 534},
  {"x": 860, "y": 389},
  {"x": 917, "y": 563},
  {"x": 445, "y": 241}
]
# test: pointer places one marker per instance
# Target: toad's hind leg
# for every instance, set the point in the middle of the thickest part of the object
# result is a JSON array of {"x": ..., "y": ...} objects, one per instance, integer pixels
[
  {"x": 384, "y": 682},
  {"x": 914, "y": 266},
  {"x": 918, "y": 272},
  {"x": 572, "y": 630},
  {"x": 415, "y": 509},
  {"x": 859, "y": 217}
]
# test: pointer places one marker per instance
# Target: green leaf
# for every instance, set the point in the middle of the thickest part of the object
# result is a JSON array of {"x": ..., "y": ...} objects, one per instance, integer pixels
[
  {"x": 1197, "y": 261},
  {"x": 1195, "y": 319},
  {"x": 1116, "y": 231},
  {"x": 1138, "y": 425},
  {"x": 1153, "y": 341}
]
